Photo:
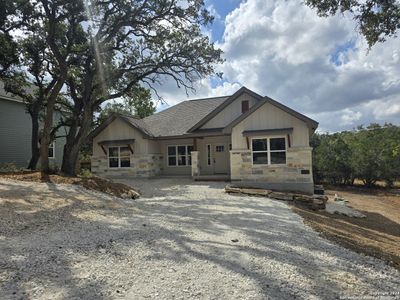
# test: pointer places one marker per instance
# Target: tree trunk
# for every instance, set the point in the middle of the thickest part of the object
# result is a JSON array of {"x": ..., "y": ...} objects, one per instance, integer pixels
[
  {"x": 74, "y": 143},
  {"x": 70, "y": 159},
  {"x": 47, "y": 127},
  {"x": 35, "y": 150}
]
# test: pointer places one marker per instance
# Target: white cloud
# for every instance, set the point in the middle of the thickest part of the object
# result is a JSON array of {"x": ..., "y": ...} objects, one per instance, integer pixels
[{"x": 318, "y": 66}]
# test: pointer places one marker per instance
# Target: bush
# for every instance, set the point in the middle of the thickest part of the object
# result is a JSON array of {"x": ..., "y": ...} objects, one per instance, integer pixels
[
  {"x": 9, "y": 167},
  {"x": 370, "y": 154},
  {"x": 85, "y": 173}
]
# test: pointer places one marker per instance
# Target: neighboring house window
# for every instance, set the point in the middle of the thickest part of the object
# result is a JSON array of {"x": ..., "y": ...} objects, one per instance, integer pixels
[
  {"x": 269, "y": 151},
  {"x": 52, "y": 150},
  {"x": 219, "y": 148},
  {"x": 119, "y": 157},
  {"x": 245, "y": 106},
  {"x": 180, "y": 155},
  {"x": 209, "y": 155}
]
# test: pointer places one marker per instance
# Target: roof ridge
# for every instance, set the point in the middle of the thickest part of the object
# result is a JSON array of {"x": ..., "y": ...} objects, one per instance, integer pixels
[
  {"x": 126, "y": 115},
  {"x": 208, "y": 98}
]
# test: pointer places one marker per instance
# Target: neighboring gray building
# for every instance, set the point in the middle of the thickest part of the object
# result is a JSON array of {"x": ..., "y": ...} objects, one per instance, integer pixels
[{"x": 15, "y": 133}]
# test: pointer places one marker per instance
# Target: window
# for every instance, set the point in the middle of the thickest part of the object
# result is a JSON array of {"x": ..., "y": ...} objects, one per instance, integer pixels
[
  {"x": 119, "y": 157},
  {"x": 269, "y": 151},
  {"x": 52, "y": 150},
  {"x": 180, "y": 155},
  {"x": 220, "y": 148},
  {"x": 245, "y": 106},
  {"x": 209, "y": 155}
]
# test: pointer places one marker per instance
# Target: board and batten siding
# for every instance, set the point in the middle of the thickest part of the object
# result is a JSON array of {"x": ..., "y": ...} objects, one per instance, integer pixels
[
  {"x": 120, "y": 130},
  {"x": 15, "y": 135},
  {"x": 229, "y": 113},
  {"x": 269, "y": 116}
]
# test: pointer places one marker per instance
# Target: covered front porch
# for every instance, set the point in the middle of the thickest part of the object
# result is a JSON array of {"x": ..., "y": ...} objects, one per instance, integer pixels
[{"x": 211, "y": 158}]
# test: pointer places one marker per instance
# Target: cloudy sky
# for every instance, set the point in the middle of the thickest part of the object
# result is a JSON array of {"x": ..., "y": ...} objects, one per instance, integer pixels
[{"x": 318, "y": 66}]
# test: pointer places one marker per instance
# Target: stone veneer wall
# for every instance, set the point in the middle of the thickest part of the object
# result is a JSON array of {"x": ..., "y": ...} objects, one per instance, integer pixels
[
  {"x": 296, "y": 175},
  {"x": 142, "y": 165},
  {"x": 195, "y": 163}
]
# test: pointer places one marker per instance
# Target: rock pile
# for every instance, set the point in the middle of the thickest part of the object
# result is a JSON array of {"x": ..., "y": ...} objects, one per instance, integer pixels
[{"x": 312, "y": 201}]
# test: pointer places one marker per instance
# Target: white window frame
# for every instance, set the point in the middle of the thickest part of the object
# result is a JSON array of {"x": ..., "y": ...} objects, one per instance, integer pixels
[
  {"x": 209, "y": 154},
  {"x": 268, "y": 151},
  {"x": 216, "y": 148},
  {"x": 119, "y": 157},
  {"x": 187, "y": 155},
  {"x": 53, "y": 146}
]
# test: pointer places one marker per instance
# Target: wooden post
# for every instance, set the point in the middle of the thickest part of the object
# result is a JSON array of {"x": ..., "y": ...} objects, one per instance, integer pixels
[{"x": 194, "y": 144}]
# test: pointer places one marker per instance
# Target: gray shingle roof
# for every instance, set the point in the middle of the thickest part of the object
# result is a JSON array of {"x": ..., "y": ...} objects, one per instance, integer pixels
[
  {"x": 178, "y": 119},
  {"x": 138, "y": 123}
]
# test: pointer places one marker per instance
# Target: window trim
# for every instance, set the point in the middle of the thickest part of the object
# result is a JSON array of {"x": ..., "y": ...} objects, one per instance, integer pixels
[
  {"x": 119, "y": 157},
  {"x": 219, "y": 145},
  {"x": 209, "y": 154},
  {"x": 268, "y": 151},
  {"x": 187, "y": 155},
  {"x": 53, "y": 145}
]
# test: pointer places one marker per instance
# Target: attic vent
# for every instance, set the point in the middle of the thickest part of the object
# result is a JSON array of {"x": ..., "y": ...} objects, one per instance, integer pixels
[{"x": 245, "y": 106}]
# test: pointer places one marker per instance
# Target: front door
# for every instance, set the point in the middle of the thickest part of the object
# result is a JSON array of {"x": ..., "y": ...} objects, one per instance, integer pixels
[{"x": 221, "y": 159}]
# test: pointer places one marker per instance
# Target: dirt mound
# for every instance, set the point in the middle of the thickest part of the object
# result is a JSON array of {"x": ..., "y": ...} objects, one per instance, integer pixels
[{"x": 94, "y": 183}]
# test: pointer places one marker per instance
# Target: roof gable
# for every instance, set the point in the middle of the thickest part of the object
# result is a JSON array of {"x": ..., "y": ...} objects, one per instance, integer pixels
[
  {"x": 312, "y": 124},
  {"x": 131, "y": 121},
  {"x": 223, "y": 105}
]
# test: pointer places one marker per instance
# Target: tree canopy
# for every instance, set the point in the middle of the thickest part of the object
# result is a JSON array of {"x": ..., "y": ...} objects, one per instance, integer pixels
[
  {"x": 102, "y": 50},
  {"x": 138, "y": 103},
  {"x": 377, "y": 19}
]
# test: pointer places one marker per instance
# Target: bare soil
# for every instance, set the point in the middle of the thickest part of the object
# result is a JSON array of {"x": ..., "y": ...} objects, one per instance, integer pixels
[
  {"x": 92, "y": 183},
  {"x": 377, "y": 235}
]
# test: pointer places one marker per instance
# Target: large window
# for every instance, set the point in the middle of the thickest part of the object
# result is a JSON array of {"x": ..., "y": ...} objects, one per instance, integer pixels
[
  {"x": 119, "y": 157},
  {"x": 269, "y": 151},
  {"x": 180, "y": 155}
]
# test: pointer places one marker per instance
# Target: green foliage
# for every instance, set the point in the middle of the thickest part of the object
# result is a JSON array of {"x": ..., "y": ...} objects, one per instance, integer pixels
[
  {"x": 377, "y": 20},
  {"x": 369, "y": 154},
  {"x": 85, "y": 173},
  {"x": 9, "y": 167},
  {"x": 137, "y": 103}
]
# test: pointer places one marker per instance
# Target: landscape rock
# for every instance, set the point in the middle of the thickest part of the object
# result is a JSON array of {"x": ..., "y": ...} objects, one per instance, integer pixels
[{"x": 343, "y": 209}]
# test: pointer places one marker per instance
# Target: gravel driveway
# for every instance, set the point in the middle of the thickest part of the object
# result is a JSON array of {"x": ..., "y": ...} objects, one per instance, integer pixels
[{"x": 181, "y": 240}]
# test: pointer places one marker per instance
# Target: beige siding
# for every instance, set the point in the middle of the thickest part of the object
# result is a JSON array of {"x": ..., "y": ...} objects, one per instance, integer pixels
[
  {"x": 270, "y": 117},
  {"x": 120, "y": 130},
  {"x": 230, "y": 113}
]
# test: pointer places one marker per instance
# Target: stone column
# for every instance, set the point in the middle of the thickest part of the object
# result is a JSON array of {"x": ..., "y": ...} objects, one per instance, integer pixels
[{"x": 195, "y": 163}]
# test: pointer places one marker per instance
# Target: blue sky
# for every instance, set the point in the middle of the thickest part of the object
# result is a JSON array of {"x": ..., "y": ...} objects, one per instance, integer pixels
[
  {"x": 318, "y": 66},
  {"x": 222, "y": 8}
]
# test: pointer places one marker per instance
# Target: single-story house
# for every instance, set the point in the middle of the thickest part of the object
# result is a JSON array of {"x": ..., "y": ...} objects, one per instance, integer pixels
[
  {"x": 16, "y": 133},
  {"x": 250, "y": 139}
]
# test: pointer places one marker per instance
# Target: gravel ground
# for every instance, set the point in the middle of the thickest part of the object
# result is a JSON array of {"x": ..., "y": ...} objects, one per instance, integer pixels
[{"x": 181, "y": 240}]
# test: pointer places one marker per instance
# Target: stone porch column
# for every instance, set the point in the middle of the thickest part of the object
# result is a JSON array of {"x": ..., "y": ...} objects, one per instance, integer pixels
[{"x": 195, "y": 163}]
